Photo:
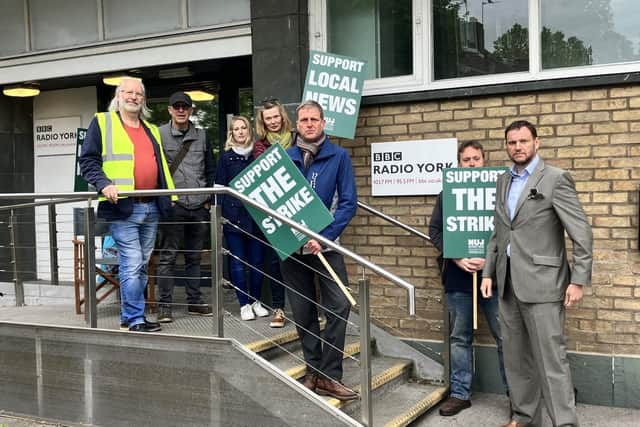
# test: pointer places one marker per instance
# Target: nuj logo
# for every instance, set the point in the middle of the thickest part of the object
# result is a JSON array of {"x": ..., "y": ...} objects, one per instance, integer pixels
[{"x": 475, "y": 244}]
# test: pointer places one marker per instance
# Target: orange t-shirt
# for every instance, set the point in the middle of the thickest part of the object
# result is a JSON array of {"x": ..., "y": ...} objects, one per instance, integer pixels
[{"x": 145, "y": 167}]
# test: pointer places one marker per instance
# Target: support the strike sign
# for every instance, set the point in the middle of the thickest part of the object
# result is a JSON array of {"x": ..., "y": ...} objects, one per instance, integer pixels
[
  {"x": 274, "y": 181},
  {"x": 468, "y": 203}
]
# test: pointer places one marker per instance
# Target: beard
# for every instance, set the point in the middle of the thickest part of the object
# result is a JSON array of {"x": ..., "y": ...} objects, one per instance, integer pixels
[
  {"x": 131, "y": 108},
  {"x": 523, "y": 161}
]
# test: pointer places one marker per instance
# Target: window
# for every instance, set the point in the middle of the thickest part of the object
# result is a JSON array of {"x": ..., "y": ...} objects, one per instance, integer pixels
[
  {"x": 374, "y": 30},
  {"x": 578, "y": 32},
  {"x": 125, "y": 18},
  {"x": 12, "y": 29},
  {"x": 70, "y": 23},
  {"x": 218, "y": 12},
  {"x": 479, "y": 37},
  {"x": 418, "y": 45}
]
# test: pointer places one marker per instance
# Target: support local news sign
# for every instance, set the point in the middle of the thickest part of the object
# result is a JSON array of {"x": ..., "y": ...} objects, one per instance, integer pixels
[
  {"x": 274, "y": 181},
  {"x": 468, "y": 204},
  {"x": 335, "y": 82}
]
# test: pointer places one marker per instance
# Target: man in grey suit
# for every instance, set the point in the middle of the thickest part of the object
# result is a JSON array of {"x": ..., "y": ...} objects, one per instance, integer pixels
[{"x": 535, "y": 205}]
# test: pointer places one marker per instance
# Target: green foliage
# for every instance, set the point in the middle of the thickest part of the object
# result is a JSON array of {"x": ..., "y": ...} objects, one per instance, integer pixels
[
  {"x": 512, "y": 47},
  {"x": 207, "y": 117},
  {"x": 558, "y": 52}
]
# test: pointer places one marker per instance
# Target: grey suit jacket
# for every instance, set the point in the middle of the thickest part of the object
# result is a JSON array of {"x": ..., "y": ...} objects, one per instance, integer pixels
[{"x": 540, "y": 271}]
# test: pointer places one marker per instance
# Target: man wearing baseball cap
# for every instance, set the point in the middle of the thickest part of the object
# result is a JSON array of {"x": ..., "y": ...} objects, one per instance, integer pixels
[{"x": 191, "y": 162}]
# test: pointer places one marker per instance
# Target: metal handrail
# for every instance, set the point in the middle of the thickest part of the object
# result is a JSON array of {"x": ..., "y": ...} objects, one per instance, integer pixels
[
  {"x": 222, "y": 190},
  {"x": 446, "y": 357},
  {"x": 216, "y": 219},
  {"x": 394, "y": 221}
]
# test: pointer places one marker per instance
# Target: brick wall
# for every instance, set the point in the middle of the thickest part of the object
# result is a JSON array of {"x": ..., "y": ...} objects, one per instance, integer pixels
[{"x": 593, "y": 133}]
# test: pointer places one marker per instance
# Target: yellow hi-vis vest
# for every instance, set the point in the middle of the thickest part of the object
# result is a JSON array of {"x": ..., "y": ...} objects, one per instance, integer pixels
[{"x": 117, "y": 153}]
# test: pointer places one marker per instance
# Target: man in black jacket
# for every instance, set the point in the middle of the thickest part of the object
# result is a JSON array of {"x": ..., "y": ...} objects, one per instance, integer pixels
[
  {"x": 190, "y": 158},
  {"x": 457, "y": 278}
]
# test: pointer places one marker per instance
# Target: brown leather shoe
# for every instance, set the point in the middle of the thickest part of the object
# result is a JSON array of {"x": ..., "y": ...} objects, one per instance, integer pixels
[
  {"x": 329, "y": 387},
  {"x": 310, "y": 381},
  {"x": 513, "y": 423},
  {"x": 453, "y": 405}
]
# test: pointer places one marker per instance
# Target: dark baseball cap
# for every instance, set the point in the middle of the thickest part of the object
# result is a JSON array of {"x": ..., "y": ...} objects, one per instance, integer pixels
[{"x": 178, "y": 97}]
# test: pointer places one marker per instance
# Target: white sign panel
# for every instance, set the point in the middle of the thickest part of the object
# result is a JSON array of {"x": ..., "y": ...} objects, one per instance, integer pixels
[
  {"x": 411, "y": 168},
  {"x": 55, "y": 136}
]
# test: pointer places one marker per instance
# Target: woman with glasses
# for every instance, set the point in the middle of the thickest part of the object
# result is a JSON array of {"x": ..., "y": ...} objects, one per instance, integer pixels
[
  {"x": 273, "y": 126},
  {"x": 241, "y": 233}
]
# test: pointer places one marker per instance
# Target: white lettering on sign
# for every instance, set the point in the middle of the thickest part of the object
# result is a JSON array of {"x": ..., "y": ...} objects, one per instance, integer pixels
[
  {"x": 462, "y": 176},
  {"x": 333, "y": 81},
  {"x": 289, "y": 208},
  {"x": 257, "y": 171},
  {"x": 274, "y": 187},
  {"x": 470, "y": 223},
  {"x": 338, "y": 104},
  {"x": 341, "y": 63},
  {"x": 475, "y": 199}
]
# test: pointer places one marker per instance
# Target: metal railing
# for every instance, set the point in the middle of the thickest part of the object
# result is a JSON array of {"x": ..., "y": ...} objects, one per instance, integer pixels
[
  {"x": 446, "y": 338},
  {"x": 52, "y": 199}
]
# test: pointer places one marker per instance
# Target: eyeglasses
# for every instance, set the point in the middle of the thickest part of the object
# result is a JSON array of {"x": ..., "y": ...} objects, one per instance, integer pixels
[
  {"x": 181, "y": 107},
  {"x": 130, "y": 93}
]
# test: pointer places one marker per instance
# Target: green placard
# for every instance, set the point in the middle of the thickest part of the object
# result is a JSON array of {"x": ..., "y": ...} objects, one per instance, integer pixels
[
  {"x": 79, "y": 183},
  {"x": 274, "y": 181},
  {"x": 468, "y": 203},
  {"x": 335, "y": 82}
]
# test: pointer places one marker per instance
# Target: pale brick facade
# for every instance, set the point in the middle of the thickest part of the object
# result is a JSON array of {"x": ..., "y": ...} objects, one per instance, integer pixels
[{"x": 594, "y": 133}]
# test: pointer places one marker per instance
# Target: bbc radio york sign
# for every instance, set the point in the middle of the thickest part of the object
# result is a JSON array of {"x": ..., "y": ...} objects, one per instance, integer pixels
[{"x": 411, "y": 168}]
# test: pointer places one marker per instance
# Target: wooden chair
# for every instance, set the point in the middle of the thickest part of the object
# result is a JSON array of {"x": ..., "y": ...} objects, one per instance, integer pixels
[{"x": 110, "y": 282}]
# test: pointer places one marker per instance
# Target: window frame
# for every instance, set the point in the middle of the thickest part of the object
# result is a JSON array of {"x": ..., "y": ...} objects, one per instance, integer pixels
[{"x": 422, "y": 77}]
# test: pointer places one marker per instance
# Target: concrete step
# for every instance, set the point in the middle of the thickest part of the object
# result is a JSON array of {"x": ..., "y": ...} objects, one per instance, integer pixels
[
  {"x": 386, "y": 373},
  {"x": 293, "y": 362},
  {"x": 404, "y": 403},
  {"x": 397, "y": 397}
]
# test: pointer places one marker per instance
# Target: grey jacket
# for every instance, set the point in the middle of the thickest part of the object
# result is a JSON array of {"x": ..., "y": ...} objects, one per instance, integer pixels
[
  {"x": 197, "y": 169},
  {"x": 547, "y": 208}
]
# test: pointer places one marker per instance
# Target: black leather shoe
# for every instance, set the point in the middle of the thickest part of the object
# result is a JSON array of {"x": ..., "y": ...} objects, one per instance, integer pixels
[
  {"x": 144, "y": 327},
  {"x": 453, "y": 405},
  {"x": 151, "y": 324}
]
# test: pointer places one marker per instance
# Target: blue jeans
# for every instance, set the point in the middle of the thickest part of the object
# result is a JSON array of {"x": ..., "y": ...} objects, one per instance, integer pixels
[
  {"x": 251, "y": 251},
  {"x": 135, "y": 237},
  {"x": 460, "y": 306}
]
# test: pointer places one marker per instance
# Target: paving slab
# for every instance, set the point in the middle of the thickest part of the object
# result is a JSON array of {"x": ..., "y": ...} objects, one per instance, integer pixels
[{"x": 493, "y": 410}]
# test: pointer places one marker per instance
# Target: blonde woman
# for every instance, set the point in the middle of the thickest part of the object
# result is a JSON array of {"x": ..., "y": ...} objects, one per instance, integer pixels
[
  {"x": 273, "y": 126},
  {"x": 241, "y": 228}
]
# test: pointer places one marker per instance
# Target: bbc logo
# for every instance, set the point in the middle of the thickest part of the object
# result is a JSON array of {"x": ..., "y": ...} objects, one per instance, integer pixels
[{"x": 387, "y": 156}]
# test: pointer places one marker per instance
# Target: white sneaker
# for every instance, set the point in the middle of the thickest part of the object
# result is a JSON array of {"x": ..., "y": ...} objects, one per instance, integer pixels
[
  {"x": 246, "y": 313},
  {"x": 259, "y": 310}
]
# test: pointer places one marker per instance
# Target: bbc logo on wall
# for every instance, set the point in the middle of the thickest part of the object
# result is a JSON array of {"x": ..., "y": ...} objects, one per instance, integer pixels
[
  {"x": 411, "y": 168},
  {"x": 388, "y": 156}
]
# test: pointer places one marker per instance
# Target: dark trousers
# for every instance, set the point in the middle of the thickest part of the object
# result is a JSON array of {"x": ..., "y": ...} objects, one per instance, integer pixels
[
  {"x": 187, "y": 229},
  {"x": 272, "y": 268},
  {"x": 246, "y": 249},
  {"x": 319, "y": 357}
]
